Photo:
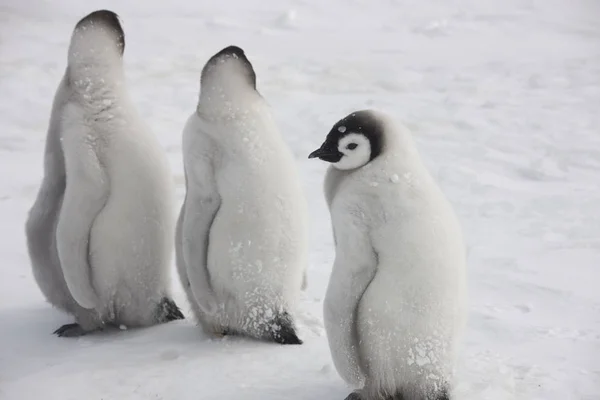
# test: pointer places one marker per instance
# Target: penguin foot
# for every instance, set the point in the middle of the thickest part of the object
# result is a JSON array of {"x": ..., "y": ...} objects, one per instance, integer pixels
[
  {"x": 168, "y": 311},
  {"x": 359, "y": 395},
  {"x": 70, "y": 330},
  {"x": 281, "y": 330},
  {"x": 354, "y": 396},
  {"x": 443, "y": 395},
  {"x": 220, "y": 334}
]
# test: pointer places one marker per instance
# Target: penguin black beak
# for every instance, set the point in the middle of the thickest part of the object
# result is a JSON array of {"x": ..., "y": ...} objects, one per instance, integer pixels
[
  {"x": 321, "y": 153},
  {"x": 326, "y": 153},
  {"x": 316, "y": 153}
]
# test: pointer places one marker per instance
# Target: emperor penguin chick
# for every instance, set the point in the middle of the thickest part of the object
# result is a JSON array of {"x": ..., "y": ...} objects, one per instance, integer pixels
[
  {"x": 99, "y": 234},
  {"x": 395, "y": 303},
  {"x": 241, "y": 239}
]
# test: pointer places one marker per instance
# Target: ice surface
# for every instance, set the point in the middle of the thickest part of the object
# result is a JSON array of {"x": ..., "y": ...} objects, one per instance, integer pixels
[{"x": 504, "y": 99}]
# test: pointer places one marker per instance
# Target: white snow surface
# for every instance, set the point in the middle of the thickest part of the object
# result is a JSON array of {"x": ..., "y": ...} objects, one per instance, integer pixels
[{"x": 503, "y": 97}]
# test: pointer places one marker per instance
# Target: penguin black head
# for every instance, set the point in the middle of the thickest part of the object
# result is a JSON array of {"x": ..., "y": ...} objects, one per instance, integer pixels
[
  {"x": 230, "y": 56},
  {"x": 353, "y": 141},
  {"x": 106, "y": 19}
]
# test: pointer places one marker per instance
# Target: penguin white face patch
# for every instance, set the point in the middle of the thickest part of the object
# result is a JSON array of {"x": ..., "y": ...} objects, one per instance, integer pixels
[{"x": 355, "y": 149}]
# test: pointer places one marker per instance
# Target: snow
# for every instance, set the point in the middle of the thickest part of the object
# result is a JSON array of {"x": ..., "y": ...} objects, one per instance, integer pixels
[{"x": 503, "y": 97}]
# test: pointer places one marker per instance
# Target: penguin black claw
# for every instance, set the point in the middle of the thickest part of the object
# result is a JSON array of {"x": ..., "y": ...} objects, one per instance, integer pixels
[
  {"x": 168, "y": 311},
  {"x": 444, "y": 395},
  {"x": 282, "y": 330},
  {"x": 354, "y": 396},
  {"x": 70, "y": 330}
]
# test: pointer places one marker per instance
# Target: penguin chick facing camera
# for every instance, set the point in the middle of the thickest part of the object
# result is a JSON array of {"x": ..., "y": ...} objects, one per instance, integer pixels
[
  {"x": 394, "y": 310},
  {"x": 241, "y": 237},
  {"x": 100, "y": 232}
]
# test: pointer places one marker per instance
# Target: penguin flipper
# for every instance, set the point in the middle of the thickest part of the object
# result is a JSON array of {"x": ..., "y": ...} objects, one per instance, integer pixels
[
  {"x": 85, "y": 196},
  {"x": 354, "y": 268},
  {"x": 201, "y": 194}
]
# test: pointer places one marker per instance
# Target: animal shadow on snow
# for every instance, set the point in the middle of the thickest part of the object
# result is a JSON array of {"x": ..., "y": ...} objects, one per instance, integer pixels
[
  {"x": 29, "y": 347},
  {"x": 27, "y": 335}
]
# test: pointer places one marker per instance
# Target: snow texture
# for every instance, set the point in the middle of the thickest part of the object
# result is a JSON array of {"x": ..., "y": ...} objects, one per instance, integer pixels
[{"x": 503, "y": 97}]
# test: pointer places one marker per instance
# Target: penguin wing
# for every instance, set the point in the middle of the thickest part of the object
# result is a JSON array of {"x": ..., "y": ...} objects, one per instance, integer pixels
[
  {"x": 333, "y": 178},
  {"x": 353, "y": 270},
  {"x": 201, "y": 206},
  {"x": 38, "y": 227},
  {"x": 85, "y": 196},
  {"x": 332, "y": 181}
]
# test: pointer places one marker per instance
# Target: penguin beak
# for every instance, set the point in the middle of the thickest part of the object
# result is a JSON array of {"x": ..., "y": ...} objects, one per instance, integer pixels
[
  {"x": 327, "y": 153},
  {"x": 316, "y": 153},
  {"x": 321, "y": 153}
]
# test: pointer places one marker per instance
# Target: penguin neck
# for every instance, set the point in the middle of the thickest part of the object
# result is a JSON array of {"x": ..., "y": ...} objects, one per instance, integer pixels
[
  {"x": 95, "y": 67},
  {"x": 95, "y": 81},
  {"x": 400, "y": 150},
  {"x": 226, "y": 99}
]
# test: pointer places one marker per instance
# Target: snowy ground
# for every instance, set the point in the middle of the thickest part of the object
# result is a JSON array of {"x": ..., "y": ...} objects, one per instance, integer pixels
[{"x": 504, "y": 99}]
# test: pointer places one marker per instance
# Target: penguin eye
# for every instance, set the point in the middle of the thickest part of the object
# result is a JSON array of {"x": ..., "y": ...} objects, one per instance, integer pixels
[{"x": 352, "y": 146}]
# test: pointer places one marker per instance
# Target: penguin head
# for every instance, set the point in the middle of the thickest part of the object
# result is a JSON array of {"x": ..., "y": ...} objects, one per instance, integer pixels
[
  {"x": 98, "y": 28},
  {"x": 229, "y": 67},
  {"x": 353, "y": 142}
]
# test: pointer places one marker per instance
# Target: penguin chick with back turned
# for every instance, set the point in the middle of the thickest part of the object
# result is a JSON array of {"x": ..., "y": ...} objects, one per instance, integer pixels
[
  {"x": 99, "y": 235},
  {"x": 395, "y": 303},
  {"x": 241, "y": 237}
]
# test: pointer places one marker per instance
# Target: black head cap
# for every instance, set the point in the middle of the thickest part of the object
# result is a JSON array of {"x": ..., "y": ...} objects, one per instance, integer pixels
[
  {"x": 363, "y": 122},
  {"x": 228, "y": 53},
  {"x": 108, "y": 19}
]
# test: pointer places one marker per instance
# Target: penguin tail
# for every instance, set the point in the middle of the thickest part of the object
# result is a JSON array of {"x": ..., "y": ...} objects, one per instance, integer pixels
[
  {"x": 168, "y": 311},
  {"x": 281, "y": 330}
]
